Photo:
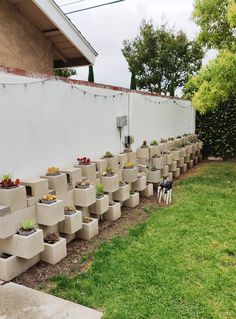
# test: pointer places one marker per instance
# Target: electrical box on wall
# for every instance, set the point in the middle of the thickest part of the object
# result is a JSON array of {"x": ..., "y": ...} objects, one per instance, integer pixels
[{"x": 121, "y": 121}]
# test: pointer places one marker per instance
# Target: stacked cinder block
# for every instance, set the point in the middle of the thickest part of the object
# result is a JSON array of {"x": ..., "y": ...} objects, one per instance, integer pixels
[{"x": 17, "y": 253}]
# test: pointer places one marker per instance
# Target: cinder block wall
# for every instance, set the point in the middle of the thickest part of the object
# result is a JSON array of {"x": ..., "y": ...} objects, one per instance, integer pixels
[
  {"x": 48, "y": 124},
  {"x": 22, "y": 45}
]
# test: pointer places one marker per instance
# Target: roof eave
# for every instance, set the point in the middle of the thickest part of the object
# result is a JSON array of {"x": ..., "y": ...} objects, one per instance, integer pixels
[{"x": 67, "y": 28}]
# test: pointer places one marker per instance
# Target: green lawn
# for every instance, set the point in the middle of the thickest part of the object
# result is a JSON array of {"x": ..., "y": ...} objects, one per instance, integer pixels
[{"x": 180, "y": 263}]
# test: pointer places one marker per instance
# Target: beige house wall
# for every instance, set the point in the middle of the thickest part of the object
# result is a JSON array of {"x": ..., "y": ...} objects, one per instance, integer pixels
[{"x": 22, "y": 45}]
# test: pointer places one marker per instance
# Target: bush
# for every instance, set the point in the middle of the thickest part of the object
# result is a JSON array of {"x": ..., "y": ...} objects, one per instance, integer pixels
[{"x": 217, "y": 130}]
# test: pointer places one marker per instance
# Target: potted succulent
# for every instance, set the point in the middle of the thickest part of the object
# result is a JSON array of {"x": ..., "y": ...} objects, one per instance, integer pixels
[
  {"x": 108, "y": 172},
  {"x": 48, "y": 199},
  {"x": 84, "y": 160},
  {"x": 163, "y": 140},
  {"x": 8, "y": 183},
  {"x": 27, "y": 227},
  {"x": 108, "y": 155},
  {"x": 127, "y": 150},
  {"x": 129, "y": 165},
  {"x": 83, "y": 183},
  {"x": 51, "y": 238},
  {"x": 153, "y": 143},
  {"x": 99, "y": 191},
  {"x": 69, "y": 210},
  {"x": 53, "y": 171},
  {"x": 144, "y": 145},
  {"x": 112, "y": 203}
]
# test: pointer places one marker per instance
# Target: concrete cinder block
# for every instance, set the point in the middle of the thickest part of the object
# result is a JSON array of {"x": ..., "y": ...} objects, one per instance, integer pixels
[
  {"x": 133, "y": 201},
  {"x": 101, "y": 206},
  {"x": 165, "y": 171},
  {"x": 53, "y": 253},
  {"x": 49, "y": 229},
  {"x": 12, "y": 266},
  {"x": 176, "y": 155},
  {"x": 183, "y": 152},
  {"x": 58, "y": 183},
  {"x": 155, "y": 150},
  {"x": 148, "y": 191},
  {"x": 10, "y": 222},
  {"x": 71, "y": 224},
  {"x": 173, "y": 166},
  {"x": 158, "y": 162},
  {"x": 36, "y": 187},
  {"x": 190, "y": 164},
  {"x": 140, "y": 184},
  {"x": 73, "y": 175},
  {"x": 122, "y": 160},
  {"x": 169, "y": 159},
  {"x": 189, "y": 149},
  {"x": 187, "y": 159},
  {"x": 122, "y": 193},
  {"x": 199, "y": 145},
  {"x": 15, "y": 198},
  {"x": 112, "y": 162},
  {"x": 170, "y": 176},
  {"x": 180, "y": 162},
  {"x": 67, "y": 197},
  {"x": 23, "y": 246},
  {"x": 143, "y": 161},
  {"x": 68, "y": 237},
  {"x": 88, "y": 171},
  {"x": 130, "y": 175},
  {"x": 132, "y": 157},
  {"x": 184, "y": 169},
  {"x": 177, "y": 172},
  {"x": 113, "y": 213},
  {"x": 101, "y": 165},
  {"x": 84, "y": 197},
  {"x": 89, "y": 230},
  {"x": 143, "y": 152},
  {"x": 110, "y": 183},
  {"x": 154, "y": 176},
  {"x": 31, "y": 201},
  {"x": 50, "y": 214}
]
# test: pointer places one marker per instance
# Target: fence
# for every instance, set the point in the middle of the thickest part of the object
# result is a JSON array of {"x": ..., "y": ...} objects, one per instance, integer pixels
[{"x": 46, "y": 121}]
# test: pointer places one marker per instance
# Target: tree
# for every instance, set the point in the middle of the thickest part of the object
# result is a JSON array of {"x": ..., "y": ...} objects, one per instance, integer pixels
[
  {"x": 91, "y": 74},
  {"x": 217, "y": 21},
  {"x": 214, "y": 84},
  {"x": 162, "y": 59},
  {"x": 66, "y": 73},
  {"x": 133, "y": 83}
]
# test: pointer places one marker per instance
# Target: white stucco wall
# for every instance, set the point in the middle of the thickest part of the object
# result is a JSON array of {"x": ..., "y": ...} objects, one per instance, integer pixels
[{"x": 52, "y": 123}]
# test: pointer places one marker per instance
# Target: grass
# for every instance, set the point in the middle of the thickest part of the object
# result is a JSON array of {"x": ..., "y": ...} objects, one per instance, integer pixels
[{"x": 180, "y": 263}]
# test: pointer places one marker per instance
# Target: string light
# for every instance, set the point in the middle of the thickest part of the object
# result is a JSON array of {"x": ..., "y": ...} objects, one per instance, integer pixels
[
  {"x": 166, "y": 101},
  {"x": 26, "y": 84}
]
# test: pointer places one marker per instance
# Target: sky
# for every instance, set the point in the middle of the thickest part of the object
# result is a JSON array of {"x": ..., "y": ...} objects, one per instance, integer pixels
[{"x": 107, "y": 27}]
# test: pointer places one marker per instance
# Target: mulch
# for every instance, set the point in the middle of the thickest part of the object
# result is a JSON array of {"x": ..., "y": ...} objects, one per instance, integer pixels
[{"x": 38, "y": 275}]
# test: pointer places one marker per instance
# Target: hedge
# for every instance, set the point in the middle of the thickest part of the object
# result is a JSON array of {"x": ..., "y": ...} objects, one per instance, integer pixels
[{"x": 217, "y": 129}]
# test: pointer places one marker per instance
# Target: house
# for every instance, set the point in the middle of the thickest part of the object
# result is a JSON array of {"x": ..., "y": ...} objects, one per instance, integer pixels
[{"x": 36, "y": 36}]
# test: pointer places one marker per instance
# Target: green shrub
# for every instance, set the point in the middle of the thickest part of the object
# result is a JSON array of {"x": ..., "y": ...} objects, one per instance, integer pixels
[{"x": 217, "y": 130}]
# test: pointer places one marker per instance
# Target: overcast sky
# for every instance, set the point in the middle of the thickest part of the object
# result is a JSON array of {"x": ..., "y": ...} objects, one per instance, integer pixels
[{"x": 106, "y": 28}]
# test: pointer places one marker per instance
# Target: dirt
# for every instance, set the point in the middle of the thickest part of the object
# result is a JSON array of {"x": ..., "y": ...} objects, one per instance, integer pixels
[{"x": 79, "y": 250}]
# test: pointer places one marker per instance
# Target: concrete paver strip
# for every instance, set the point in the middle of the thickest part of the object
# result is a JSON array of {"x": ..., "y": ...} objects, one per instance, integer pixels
[{"x": 21, "y": 302}]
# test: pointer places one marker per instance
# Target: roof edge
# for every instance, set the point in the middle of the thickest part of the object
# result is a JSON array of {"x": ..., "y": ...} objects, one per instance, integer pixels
[{"x": 67, "y": 28}]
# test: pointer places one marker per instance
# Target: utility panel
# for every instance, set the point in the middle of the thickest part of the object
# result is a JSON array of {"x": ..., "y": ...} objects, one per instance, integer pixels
[{"x": 121, "y": 121}]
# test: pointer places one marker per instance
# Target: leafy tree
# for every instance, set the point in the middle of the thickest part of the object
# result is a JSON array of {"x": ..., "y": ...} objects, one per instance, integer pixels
[
  {"x": 66, "y": 73},
  {"x": 91, "y": 74},
  {"x": 217, "y": 21},
  {"x": 162, "y": 58},
  {"x": 214, "y": 84}
]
